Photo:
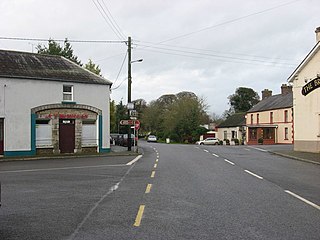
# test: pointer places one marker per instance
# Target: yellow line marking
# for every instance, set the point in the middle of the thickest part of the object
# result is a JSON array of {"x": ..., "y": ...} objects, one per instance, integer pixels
[
  {"x": 155, "y": 165},
  {"x": 139, "y": 216},
  {"x": 157, "y": 160},
  {"x": 153, "y": 173},
  {"x": 148, "y": 189}
]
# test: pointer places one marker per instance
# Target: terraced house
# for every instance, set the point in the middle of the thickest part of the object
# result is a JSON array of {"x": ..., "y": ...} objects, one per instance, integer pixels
[
  {"x": 271, "y": 120},
  {"x": 50, "y": 105}
]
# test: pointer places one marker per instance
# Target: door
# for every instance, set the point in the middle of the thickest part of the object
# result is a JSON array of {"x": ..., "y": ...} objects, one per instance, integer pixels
[
  {"x": 1, "y": 135},
  {"x": 66, "y": 135}
]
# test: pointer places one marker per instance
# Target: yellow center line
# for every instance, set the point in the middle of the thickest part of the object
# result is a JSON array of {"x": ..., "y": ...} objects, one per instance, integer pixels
[
  {"x": 155, "y": 165},
  {"x": 153, "y": 173},
  {"x": 148, "y": 189},
  {"x": 157, "y": 160},
  {"x": 139, "y": 216}
]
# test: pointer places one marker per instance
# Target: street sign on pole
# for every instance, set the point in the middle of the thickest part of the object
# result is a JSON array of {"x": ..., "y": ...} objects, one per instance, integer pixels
[{"x": 127, "y": 122}]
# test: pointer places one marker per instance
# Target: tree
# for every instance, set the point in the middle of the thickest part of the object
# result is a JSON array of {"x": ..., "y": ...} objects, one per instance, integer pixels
[
  {"x": 113, "y": 123},
  {"x": 54, "y": 48},
  {"x": 121, "y": 113},
  {"x": 92, "y": 67},
  {"x": 242, "y": 100}
]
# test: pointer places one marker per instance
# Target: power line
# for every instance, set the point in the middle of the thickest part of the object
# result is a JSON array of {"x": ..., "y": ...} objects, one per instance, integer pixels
[
  {"x": 108, "y": 19},
  {"x": 124, "y": 59},
  {"x": 115, "y": 22},
  {"x": 231, "y": 21},
  {"x": 217, "y": 59},
  {"x": 61, "y": 40},
  {"x": 221, "y": 57}
]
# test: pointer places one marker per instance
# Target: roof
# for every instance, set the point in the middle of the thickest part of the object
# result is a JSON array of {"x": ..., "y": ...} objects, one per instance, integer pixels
[
  {"x": 24, "y": 65},
  {"x": 235, "y": 120},
  {"x": 274, "y": 102},
  {"x": 305, "y": 61}
]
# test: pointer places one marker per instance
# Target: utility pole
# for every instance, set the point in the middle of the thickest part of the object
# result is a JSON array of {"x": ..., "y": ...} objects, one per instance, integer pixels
[{"x": 129, "y": 90}]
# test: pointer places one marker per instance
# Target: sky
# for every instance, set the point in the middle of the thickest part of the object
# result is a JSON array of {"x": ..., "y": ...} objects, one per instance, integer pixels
[{"x": 209, "y": 47}]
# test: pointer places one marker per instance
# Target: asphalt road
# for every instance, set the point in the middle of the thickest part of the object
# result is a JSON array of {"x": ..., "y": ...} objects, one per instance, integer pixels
[{"x": 171, "y": 192}]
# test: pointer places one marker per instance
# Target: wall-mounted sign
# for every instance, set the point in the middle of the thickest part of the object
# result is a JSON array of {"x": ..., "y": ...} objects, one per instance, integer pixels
[
  {"x": 63, "y": 116},
  {"x": 310, "y": 86}
]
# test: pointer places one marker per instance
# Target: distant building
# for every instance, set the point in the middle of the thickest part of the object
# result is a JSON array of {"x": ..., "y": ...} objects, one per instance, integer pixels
[
  {"x": 233, "y": 127},
  {"x": 271, "y": 119},
  {"x": 306, "y": 101},
  {"x": 50, "y": 105}
]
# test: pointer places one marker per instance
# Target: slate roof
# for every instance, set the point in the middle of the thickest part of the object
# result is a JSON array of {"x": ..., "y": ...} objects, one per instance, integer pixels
[
  {"x": 235, "y": 120},
  {"x": 23, "y": 65},
  {"x": 273, "y": 102}
]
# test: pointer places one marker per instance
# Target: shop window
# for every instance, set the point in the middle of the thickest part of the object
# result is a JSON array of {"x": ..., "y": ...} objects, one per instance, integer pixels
[
  {"x": 252, "y": 133},
  {"x": 67, "y": 93},
  {"x": 43, "y": 133},
  {"x": 89, "y": 133},
  {"x": 268, "y": 133}
]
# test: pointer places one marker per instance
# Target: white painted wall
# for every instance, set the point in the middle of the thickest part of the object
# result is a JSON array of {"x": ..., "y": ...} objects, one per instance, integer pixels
[{"x": 18, "y": 97}]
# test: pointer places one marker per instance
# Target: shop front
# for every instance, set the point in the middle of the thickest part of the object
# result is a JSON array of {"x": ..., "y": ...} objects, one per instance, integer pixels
[
  {"x": 261, "y": 135},
  {"x": 67, "y": 128}
]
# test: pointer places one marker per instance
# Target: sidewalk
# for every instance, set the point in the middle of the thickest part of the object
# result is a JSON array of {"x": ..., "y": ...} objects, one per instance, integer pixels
[{"x": 301, "y": 156}]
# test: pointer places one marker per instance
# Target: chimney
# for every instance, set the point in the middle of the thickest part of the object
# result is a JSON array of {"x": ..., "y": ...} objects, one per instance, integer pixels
[
  {"x": 285, "y": 89},
  {"x": 266, "y": 93},
  {"x": 317, "y": 34}
]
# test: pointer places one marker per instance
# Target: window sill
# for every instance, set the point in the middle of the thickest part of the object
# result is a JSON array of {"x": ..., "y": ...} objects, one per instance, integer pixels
[{"x": 68, "y": 102}]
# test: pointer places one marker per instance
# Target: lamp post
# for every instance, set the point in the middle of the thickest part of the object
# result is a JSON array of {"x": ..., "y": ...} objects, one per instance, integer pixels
[{"x": 129, "y": 88}]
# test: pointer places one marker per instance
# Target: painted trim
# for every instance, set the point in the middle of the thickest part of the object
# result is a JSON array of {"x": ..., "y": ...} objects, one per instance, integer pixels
[
  {"x": 68, "y": 102},
  {"x": 104, "y": 150},
  {"x": 33, "y": 132},
  {"x": 18, "y": 153},
  {"x": 100, "y": 132}
]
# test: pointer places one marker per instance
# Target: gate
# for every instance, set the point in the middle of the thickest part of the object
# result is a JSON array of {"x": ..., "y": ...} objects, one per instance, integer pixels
[{"x": 66, "y": 135}]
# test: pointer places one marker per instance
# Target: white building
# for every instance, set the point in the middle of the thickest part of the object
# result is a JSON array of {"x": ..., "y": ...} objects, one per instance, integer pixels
[
  {"x": 306, "y": 101},
  {"x": 50, "y": 105}
]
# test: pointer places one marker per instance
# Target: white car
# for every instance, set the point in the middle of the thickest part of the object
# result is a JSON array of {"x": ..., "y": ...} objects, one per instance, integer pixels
[
  {"x": 152, "y": 138},
  {"x": 209, "y": 141}
]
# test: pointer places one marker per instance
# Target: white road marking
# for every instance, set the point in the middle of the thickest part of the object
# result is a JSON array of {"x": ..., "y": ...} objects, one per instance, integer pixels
[
  {"x": 253, "y": 174},
  {"x": 259, "y": 149},
  {"x": 215, "y": 155},
  {"x": 64, "y": 168},
  {"x": 134, "y": 160},
  {"x": 303, "y": 199},
  {"x": 247, "y": 149},
  {"x": 229, "y": 161},
  {"x": 205, "y": 150}
]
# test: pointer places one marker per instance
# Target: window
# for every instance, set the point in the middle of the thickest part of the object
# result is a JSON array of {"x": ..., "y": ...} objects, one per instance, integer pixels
[
  {"x": 271, "y": 117},
  {"x": 43, "y": 133},
  {"x": 89, "y": 133},
  {"x": 67, "y": 93},
  {"x": 225, "y": 135},
  {"x": 286, "y": 116},
  {"x": 252, "y": 133},
  {"x": 286, "y": 133},
  {"x": 251, "y": 119},
  {"x": 233, "y": 134},
  {"x": 258, "y": 118}
]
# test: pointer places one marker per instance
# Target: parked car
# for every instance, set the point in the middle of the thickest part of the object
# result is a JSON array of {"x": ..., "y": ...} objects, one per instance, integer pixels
[
  {"x": 152, "y": 138},
  {"x": 209, "y": 141}
]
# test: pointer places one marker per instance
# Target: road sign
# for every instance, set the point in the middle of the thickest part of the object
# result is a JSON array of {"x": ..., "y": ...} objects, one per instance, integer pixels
[
  {"x": 137, "y": 124},
  {"x": 127, "y": 122}
]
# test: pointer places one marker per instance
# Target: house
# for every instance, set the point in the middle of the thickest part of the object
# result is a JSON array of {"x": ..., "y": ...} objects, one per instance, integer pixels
[
  {"x": 271, "y": 119},
  {"x": 233, "y": 127},
  {"x": 306, "y": 100},
  {"x": 50, "y": 105}
]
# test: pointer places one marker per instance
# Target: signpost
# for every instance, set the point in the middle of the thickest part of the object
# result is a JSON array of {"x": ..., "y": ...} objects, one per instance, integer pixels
[
  {"x": 127, "y": 122},
  {"x": 135, "y": 124}
]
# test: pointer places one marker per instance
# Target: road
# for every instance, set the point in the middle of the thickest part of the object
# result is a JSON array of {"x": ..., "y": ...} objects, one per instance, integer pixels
[{"x": 171, "y": 192}]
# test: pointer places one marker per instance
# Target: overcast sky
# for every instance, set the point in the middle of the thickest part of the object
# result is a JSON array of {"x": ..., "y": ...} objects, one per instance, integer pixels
[{"x": 209, "y": 47}]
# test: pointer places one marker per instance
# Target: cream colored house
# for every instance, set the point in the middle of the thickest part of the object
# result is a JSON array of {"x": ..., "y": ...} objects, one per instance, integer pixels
[
  {"x": 232, "y": 128},
  {"x": 306, "y": 101},
  {"x": 271, "y": 119}
]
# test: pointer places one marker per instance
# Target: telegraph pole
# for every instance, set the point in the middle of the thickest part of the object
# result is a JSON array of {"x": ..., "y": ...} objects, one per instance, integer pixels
[{"x": 129, "y": 90}]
